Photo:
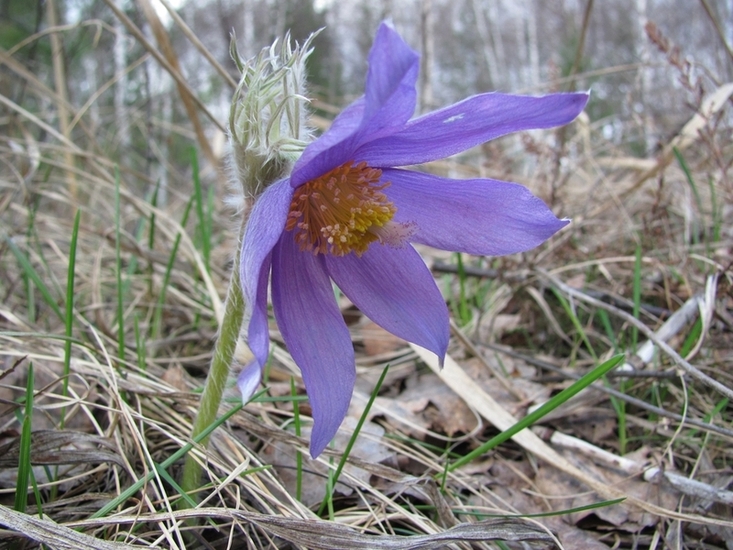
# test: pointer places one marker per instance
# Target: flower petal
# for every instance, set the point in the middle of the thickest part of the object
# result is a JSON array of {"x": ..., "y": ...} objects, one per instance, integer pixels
[
  {"x": 469, "y": 123},
  {"x": 388, "y": 103},
  {"x": 394, "y": 288},
  {"x": 264, "y": 227},
  {"x": 477, "y": 216},
  {"x": 316, "y": 335},
  {"x": 258, "y": 330},
  {"x": 390, "y": 91},
  {"x": 249, "y": 379}
]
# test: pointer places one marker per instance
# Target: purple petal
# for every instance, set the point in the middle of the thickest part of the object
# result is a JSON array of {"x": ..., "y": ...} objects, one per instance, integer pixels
[
  {"x": 316, "y": 335},
  {"x": 249, "y": 379},
  {"x": 390, "y": 92},
  {"x": 478, "y": 216},
  {"x": 394, "y": 288},
  {"x": 471, "y": 122},
  {"x": 258, "y": 330},
  {"x": 388, "y": 103},
  {"x": 264, "y": 227}
]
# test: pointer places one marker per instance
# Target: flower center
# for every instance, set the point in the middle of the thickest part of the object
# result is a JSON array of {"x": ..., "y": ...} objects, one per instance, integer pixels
[{"x": 342, "y": 211}]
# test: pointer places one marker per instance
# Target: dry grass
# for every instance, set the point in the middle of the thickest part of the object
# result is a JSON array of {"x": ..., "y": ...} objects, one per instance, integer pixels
[{"x": 641, "y": 226}]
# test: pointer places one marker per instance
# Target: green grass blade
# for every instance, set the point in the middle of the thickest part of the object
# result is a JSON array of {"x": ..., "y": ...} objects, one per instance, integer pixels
[
  {"x": 715, "y": 211},
  {"x": 565, "y": 512},
  {"x": 690, "y": 179},
  {"x": 333, "y": 479},
  {"x": 158, "y": 319},
  {"x": 298, "y": 454},
  {"x": 118, "y": 270},
  {"x": 691, "y": 338},
  {"x": 33, "y": 275},
  {"x": 140, "y": 345},
  {"x": 608, "y": 328},
  {"x": 203, "y": 229},
  {"x": 576, "y": 322},
  {"x": 69, "y": 317},
  {"x": 636, "y": 297},
  {"x": 151, "y": 234},
  {"x": 463, "y": 311},
  {"x": 533, "y": 417},
  {"x": 24, "y": 456},
  {"x": 165, "y": 476},
  {"x": 180, "y": 453}
]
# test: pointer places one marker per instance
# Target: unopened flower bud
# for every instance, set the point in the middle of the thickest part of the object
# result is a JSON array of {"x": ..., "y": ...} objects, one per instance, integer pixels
[{"x": 267, "y": 118}]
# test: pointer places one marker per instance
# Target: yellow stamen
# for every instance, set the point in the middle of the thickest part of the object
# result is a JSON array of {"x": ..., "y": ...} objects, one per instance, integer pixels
[{"x": 341, "y": 211}]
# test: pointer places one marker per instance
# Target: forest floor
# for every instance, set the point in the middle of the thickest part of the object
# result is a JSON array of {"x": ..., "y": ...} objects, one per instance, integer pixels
[{"x": 642, "y": 458}]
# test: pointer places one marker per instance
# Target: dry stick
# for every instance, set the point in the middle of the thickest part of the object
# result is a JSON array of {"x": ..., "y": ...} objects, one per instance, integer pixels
[
  {"x": 677, "y": 321},
  {"x": 465, "y": 387},
  {"x": 198, "y": 45},
  {"x": 137, "y": 33},
  {"x": 164, "y": 42},
  {"x": 685, "y": 485},
  {"x": 54, "y": 534},
  {"x": 646, "y": 331},
  {"x": 690, "y": 487},
  {"x": 561, "y": 132},
  {"x": 716, "y": 24},
  {"x": 59, "y": 76}
]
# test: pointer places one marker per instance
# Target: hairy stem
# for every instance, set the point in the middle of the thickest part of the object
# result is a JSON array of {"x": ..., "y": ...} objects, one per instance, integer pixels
[{"x": 224, "y": 349}]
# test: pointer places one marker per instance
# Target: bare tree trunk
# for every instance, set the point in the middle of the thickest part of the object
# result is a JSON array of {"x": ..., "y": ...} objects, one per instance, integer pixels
[
  {"x": 387, "y": 9},
  {"x": 280, "y": 16},
  {"x": 728, "y": 29},
  {"x": 533, "y": 47},
  {"x": 91, "y": 70},
  {"x": 428, "y": 54},
  {"x": 488, "y": 50},
  {"x": 519, "y": 75},
  {"x": 644, "y": 76},
  {"x": 248, "y": 28},
  {"x": 122, "y": 122},
  {"x": 495, "y": 8}
]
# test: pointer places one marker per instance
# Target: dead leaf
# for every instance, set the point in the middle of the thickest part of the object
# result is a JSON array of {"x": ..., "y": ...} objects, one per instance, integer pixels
[
  {"x": 174, "y": 377},
  {"x": 61, "y": 447},
  {"x": 368, "y": 446},
  {"x": 54, "y": 535},
  {"x": 449, "y": 414},
  {"x": 378, "y": 341}
]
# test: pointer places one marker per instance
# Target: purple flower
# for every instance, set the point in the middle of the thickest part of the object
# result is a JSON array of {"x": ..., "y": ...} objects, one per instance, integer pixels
[{"x": 346, "y": 214}]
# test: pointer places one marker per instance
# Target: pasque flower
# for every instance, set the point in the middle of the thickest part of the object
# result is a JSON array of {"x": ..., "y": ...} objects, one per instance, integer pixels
[{"x": 347, "y": 214}]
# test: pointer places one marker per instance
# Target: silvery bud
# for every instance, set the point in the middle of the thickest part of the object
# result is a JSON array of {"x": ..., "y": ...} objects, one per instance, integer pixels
[{"x": 267, "y": 118}]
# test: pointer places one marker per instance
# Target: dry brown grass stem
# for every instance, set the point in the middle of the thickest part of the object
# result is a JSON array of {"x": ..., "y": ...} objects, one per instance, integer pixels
[
  {"x": 59, "y": 74},
  {"x": 221, "y": 71}
]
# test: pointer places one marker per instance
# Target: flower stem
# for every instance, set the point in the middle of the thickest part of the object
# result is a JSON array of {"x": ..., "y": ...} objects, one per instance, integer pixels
[{"x": 224, "y": 348}]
